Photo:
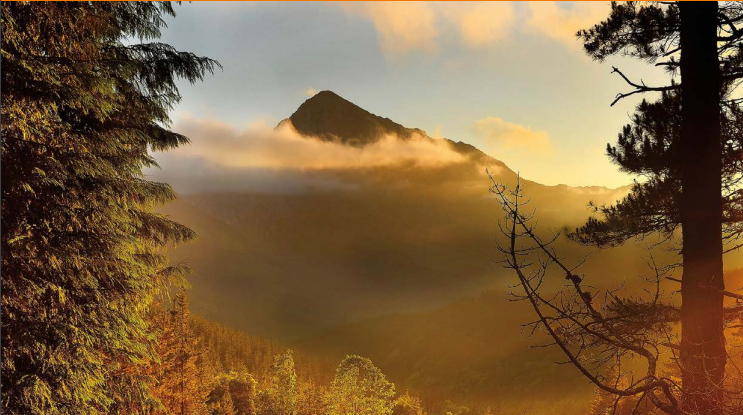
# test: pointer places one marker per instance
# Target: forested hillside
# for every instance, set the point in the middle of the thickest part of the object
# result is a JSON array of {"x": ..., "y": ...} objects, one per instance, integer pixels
[
  {"x": 341, "y": 263},
  {"x": 207, "y": 368},
  {"x": 471, "y": 351}
]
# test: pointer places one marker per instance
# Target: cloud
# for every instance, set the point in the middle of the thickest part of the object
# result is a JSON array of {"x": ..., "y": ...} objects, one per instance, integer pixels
[
  {"x": 506, "y": 135},
  {"x": 222, "y": 157},
  {"x": 480, "y": 23},
  {"x": 401, "y": 26},
  {"x": 560, "y": 21},
  {"x": 437, "y": 132},
  {"x": 261, "y": 146},
  {"x": 404, "y": 27},
  {"x": 310, "y": 92}
]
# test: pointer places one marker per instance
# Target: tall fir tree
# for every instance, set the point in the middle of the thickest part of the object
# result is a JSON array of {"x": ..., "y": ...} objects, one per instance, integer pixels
[
  {"x": 241, "y": 388},
  {"x": 81, "y": 109},
  {"x": 688, "y": 145},
  {"x": 183, "y": 383}
]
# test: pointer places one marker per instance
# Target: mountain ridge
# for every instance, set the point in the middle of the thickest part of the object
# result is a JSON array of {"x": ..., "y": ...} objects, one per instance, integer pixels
[{"x": 330, "y": 117}]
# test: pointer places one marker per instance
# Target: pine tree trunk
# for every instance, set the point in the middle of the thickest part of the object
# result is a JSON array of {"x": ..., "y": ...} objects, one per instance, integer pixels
[{"x": 703, "y": 340}]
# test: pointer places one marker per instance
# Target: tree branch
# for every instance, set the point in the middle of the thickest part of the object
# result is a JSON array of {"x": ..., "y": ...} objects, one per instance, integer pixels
[{"x": 639, "y": 88}]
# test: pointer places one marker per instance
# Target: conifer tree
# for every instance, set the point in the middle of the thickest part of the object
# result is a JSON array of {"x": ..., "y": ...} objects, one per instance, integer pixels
[
  {"x": 279, "y": 397},
  {"x": 407, "y": 405},
  {"x": 183, "y": 387},
  {"x": 241, "y": 388},
  {"x": 80, "y": 242},
  {"x": 689, "y": 145},
  {"x": 360, "y": 388},
  {"x": 311, "y": 398},
  {"x": 226, "y": 407}
]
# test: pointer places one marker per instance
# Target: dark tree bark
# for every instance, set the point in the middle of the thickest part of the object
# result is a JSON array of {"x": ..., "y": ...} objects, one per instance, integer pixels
[{"x": 703, "y": 353}]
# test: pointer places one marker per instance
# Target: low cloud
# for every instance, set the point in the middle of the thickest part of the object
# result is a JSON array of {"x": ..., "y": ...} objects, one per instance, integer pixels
[
  {"x": 222, "y": 157},
  {"x": 310, "y": 92},
  {"x": 261, "y": 146},
  {"x": 502, "y": 134}
]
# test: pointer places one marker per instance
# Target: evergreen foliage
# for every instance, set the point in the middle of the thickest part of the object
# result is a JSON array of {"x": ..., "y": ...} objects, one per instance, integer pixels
[
  {"x": 191, "y": 375},
  {"x": 280, "y": 395},
  {"x": 407, "y": 405},
  {"x": 360, "y": 388},
  {"x": 183, "y": 381},
  {"x": 234, "y": 350},
  {"x": 648, "y": 146},
  {"x": 81, "y": 109}
]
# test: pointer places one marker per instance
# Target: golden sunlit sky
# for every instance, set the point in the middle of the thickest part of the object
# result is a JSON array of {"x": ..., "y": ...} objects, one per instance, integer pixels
[{"x": 509, "y": 78}]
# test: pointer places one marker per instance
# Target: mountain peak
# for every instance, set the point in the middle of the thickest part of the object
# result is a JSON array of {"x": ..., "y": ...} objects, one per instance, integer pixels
[
  {"x": 330, "y": 117},
  {"x": 328, "y": 94}
]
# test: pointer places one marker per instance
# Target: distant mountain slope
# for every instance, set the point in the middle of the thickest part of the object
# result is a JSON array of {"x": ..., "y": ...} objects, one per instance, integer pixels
[
  {"x": 378, "y": 240},
  {"x": 390, "y": 262},
  {"x": 288, "y": 265}
]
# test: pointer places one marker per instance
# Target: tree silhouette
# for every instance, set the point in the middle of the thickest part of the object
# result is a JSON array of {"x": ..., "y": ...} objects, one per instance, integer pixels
[
  {"x": 596, "y": 336},
  {"x": 688, "y": 146}
]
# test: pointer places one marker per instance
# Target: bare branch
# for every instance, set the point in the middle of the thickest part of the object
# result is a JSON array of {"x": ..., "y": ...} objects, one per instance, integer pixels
[{"x": 639, "y": 88}]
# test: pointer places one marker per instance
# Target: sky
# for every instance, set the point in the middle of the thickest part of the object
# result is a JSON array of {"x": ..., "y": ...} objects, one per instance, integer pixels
[{"x": 508, "y": 78}]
